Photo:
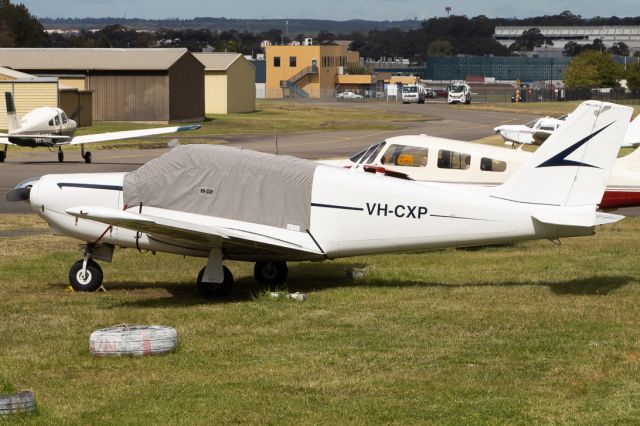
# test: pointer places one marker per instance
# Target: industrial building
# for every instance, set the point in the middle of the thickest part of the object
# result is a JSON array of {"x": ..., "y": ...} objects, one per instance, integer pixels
[
  {"x": 307, "y": 70},
  {"x": 229, "y": 83},
  {"x": 630, "y": 35},
  {"x": 30, "y": 92},
  {"x": 147, "y": 85}
]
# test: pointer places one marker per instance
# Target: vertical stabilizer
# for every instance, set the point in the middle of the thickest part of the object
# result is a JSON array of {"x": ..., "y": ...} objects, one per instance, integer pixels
[
  {"x": 13, "y": 123},
  {"x": 572, "y": 167}
]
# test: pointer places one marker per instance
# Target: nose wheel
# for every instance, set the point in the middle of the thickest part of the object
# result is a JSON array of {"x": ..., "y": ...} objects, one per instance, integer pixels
[
  {"x": 85, "y": 275},
  {"x": 212, "y": 290},
  {"x": 272, "y": 273}
]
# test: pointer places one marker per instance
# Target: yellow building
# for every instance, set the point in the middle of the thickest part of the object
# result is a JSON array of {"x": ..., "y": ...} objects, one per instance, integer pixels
[
  {"x": 229, "y": 83},
  {"x": 305, "y": 71}
]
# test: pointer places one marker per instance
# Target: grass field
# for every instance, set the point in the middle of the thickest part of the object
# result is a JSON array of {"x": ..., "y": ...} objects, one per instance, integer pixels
[
  {"x": 527, "y": 333},
  {"x": 554, "y": 109}
]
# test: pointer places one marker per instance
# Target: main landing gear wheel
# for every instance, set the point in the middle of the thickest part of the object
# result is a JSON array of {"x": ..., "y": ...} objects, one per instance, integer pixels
[
  {"x": 60, "y": 156},
  {"x": 91, "y": 280},
  {"x": 87, "y": 157},
  {"x": 271, "y": 273},
  {"x": 211, "y": 290},
  {"x": 3, "y": 155}
]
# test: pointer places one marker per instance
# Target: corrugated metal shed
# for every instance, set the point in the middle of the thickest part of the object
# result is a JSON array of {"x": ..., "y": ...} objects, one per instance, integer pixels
[
  {"x": 149, "y": 85},
  {"x": 29, "y": 94},
  {"x": 230, "y": 83},
  {"x": 89, "y": 59}
]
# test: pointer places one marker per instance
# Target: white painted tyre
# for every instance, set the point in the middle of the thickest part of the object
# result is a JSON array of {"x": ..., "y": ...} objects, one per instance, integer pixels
[
  {"x": 136, "y": 340},
  {"x": 21, "y": 402}
]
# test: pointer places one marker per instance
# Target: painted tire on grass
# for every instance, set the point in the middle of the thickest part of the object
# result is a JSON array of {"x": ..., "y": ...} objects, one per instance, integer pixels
[
  {"x": 136, "y": 340},
  {"x": 21, "y": 402}
]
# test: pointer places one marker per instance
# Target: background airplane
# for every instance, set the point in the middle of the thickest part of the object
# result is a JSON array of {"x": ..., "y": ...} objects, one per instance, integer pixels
[
  {"x": 537, "y": 131},
  {"x": 432, "y": 159},
  {"x": 222, "y": 203},
  {"x": 50, "y": 127}
]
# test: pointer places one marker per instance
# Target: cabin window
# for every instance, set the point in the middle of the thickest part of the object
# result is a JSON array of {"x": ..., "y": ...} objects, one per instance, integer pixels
[
  {"x": 408, "y": 156},
  {"x": 453, "y": 160},
  {"x": 57, "y": 119},
  {"x": 293, "y": 61},
  {"x": 64, "y": 118},
  {"x": 51, "y": 122},
  {"x": 276, "y": 61},
  {"x": 491, "y": 165}
]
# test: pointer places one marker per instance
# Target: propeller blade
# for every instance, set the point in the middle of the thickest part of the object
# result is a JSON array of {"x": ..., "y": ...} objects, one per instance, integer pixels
[{"x": 19, "y": 194}]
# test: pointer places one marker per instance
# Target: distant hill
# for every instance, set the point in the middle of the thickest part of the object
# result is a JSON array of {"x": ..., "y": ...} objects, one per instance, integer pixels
[{"x": 295, "y": 26}]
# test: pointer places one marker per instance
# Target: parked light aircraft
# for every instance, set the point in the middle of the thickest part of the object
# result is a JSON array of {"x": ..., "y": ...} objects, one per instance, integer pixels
[
  {"x": 537, "y": 131},
  {"x": 226, "y": 203},
  {"x": 50, "y": 127},
  {"x": 428, "y": 158}
]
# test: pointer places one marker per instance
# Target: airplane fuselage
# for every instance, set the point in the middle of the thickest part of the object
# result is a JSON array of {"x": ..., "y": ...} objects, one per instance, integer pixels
[{"x": 351, "y": 214}]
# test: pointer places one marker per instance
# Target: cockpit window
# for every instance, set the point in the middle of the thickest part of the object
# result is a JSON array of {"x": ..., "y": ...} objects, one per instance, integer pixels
[
  {"x": 57, "y": 119},
  {"x": 453, "y": 160},
  {"x": 531, "y": 124},
  {"x": 491, "y": 165},
  {"x": 64, "y": 118},
  {"x": 51, "y": 122},
  {"x": 403, "y": 155},
  {"x": 369, "y": 154}
]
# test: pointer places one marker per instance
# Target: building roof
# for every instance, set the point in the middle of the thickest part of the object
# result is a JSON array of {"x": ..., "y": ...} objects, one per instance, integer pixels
[
  {"x": 17, "y": 74},
  {"x": 90, "y": 59},
  {"x": 214, "y": 61}
]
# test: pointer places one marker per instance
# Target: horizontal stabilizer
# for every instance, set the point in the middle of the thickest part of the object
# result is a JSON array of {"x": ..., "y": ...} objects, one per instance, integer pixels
[
  {"x": 581, "y": 217},
  {"x": 607, "y": 218},
  {"x": 129, "y": 134}
]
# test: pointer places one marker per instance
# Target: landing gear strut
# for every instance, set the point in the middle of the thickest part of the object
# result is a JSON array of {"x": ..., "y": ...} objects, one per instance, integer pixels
[
  {"x": 85, "y": 274},
  {"x": 211, "y": 290},
  {"x": 85, "y": 155},
  {"x": 60, "y": 155},
  {"x": 272, "y": 273}
]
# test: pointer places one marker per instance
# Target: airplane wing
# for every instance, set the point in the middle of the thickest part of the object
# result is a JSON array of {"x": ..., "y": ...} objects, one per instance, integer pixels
[
  {"x": 4, "y": 140},
  {"x": 180, "y": 231},
  {"x": 128, "y": 134},
  {"x": 26, "y": 138}
]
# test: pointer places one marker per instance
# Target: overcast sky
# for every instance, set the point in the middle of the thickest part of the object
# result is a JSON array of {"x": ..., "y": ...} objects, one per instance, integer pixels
[{"x": 324, "y": 9}]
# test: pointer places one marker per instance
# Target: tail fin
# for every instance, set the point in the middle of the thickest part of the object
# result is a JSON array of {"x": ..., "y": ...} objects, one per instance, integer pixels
[
  {"x": 572, "y": 167},
  {"x": 12, "y": 118},
  {"x": 632, "y": 137}
]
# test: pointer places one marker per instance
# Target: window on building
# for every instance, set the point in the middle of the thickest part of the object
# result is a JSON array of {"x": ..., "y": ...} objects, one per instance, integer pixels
[
  {"x": 403, "y": 155},
  {"x": 453, "y": 160},
  {"x": 293, "y": 61},
  {"x": 276, "y": 61},
  {"x": 491, "y": 165}
]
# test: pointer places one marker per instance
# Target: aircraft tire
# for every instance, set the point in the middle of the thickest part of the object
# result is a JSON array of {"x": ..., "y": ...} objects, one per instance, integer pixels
[
  {"x": 271, "y": 273},
  {"x": 87, "y": 157},
  {"x": 136, "y": 340},
  {"x": 213, "y": 290},
  {"x": 60, "y": 156},
  {"x": 17, "y": 403},
  {"x": 91, "y": 282},
  {"x": 2, "y": 156}
]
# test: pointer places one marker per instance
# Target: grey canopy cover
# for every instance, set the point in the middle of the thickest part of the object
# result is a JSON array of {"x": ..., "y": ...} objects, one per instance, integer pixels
[{"x": 226, "y": 182}]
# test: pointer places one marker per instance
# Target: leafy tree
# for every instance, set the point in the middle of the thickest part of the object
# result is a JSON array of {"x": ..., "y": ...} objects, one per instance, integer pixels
[
  {"x": 592, "y": 69},
  {"x": 440, "y": 48},
  {"x": 357, "y": 69},
  {"x": 620, "y": 48},
  {"x": 528, "y": 40},
  {"x": 571, "y": 49},
  {"x": 18, "y": 27}
]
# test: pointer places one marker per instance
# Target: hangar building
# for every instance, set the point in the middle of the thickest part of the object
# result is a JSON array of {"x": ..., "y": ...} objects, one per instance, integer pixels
[
  {"x": 147, "y": 85},
  {"x": 229, "y": 83}
]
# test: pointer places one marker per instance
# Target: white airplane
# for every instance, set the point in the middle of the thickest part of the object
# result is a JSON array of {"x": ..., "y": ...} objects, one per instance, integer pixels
[
  {"x": 534, "y": 132},
  {"x": 432, "y": 159},
  {"x": 537, "y": 131},
  {"x": 222, "y": 203},
  {"x": 50, "y": 127}
]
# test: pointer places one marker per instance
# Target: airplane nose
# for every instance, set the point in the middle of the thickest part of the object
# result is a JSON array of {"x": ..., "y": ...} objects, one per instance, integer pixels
[{"x": 22, "y": 191}]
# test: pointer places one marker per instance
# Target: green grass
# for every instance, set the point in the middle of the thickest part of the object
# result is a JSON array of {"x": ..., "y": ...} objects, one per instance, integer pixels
[
  {"x": 538, "y": 108},
  {"x": 519, "y": 334}
]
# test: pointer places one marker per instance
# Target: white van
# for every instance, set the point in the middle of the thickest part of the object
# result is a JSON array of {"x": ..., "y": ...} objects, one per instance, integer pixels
[{"x": 459, "y": 93}]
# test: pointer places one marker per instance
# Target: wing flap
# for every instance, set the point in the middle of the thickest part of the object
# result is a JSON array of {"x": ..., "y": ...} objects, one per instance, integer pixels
[{"x": 129, "y": 134}]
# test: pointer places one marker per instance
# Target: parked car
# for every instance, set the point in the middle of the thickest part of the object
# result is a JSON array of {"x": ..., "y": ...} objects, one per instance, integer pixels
[{"x": 348, "y": 95}]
